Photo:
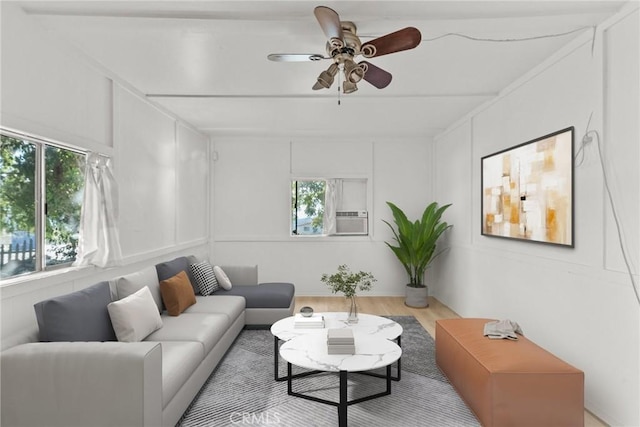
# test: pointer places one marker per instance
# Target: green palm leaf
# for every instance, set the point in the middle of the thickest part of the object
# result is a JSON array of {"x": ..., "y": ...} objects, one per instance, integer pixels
[{"x": 415, "y": 242}]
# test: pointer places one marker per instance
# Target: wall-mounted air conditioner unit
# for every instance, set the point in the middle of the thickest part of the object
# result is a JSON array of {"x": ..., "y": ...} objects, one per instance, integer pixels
[{"x": 352, "y": 223}]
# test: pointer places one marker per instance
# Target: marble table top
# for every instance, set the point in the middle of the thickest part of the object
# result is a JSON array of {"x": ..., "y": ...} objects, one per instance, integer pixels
[
  {"x": 310, "y": 352},
  {"x": 368, "y": 324}
]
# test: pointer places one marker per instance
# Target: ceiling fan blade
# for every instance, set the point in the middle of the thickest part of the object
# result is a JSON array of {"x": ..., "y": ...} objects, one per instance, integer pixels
[
  {"x": 329, "y": 22},
  {"x": 404, "y": 39},
  {"x": 376, "y": 75},
  {"x": 295, "y": 57}
]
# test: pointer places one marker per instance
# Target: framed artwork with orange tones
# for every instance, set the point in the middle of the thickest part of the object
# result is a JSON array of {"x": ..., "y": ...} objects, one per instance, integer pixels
[{"x": 527, "y": 190}]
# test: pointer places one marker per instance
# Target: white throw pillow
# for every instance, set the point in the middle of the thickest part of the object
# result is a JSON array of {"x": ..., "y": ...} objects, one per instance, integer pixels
[
  {"x": 135, "y": 317},
  {"x": 223, "y": 280}
]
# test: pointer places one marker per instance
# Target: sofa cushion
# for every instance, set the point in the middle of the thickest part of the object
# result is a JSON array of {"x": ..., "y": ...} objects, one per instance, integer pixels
[
  {"x": 169, "y": 269},
  {"x": 131, "y": 283},
  {"x": 179, "y": 362},
  {"x": 241, "y": 274},
  {"x": 207, "y": 329},
  {"x": 205, "y": 278},
  {"x": 134, "y": 317},
  {"x": 222, "y": 278},
  {"x": 232, "y": 306},
  {"x": 265, "y": 295},
  {"x": 77, "y": 316},
  {"x": 177, "y": 293}
]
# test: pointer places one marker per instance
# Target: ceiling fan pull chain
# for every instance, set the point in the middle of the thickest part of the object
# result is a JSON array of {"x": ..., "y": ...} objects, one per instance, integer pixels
[{"x": 340, "y": 82}]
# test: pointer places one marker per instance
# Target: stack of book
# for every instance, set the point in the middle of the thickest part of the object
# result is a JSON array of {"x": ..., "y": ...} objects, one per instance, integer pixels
[
  {"x": 340, "y": 341},
  {"x": 313, "y": 321}
]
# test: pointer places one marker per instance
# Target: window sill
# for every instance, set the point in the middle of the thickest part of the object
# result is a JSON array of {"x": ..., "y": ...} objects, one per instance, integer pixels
[
  {"x": 227, "y": 238},
  {"x": 32, "y": 281}
]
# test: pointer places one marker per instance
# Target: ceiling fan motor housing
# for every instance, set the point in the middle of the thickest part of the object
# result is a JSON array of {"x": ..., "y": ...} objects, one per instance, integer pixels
[
  {"x": 349, "y": 45},
  {"x": 343, "y": 51}
]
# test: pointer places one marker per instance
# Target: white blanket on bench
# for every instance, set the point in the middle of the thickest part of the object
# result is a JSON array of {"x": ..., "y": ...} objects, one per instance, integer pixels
[{"x": 499, "y": 329}]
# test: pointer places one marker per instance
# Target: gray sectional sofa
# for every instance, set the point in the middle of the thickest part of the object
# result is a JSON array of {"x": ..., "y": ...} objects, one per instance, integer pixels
[{"x": 75, "y": 379}]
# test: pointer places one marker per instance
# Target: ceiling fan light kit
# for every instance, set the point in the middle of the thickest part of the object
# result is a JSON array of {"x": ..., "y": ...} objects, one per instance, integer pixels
[
  {"x": 325, "y": 79},
  {"x": 343, "y": 46},
  {"x": 353, "y": 72},
  {"x": 349, "y": 87}
]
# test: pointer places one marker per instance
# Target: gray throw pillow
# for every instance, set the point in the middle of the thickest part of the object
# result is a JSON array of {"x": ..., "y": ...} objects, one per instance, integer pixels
[
  {"x": 132, "y": 283},
  {"x": 168, "y": 269},
  {"x": 78, "y": 316}
]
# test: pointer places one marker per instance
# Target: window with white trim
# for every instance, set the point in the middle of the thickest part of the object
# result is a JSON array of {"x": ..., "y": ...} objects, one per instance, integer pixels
[
  {"x": 41, "y": 189},
  {"x": 329, "y": 206}
]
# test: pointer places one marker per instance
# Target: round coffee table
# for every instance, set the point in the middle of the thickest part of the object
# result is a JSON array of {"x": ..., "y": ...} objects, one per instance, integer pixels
[
  {"x": 310, "y": 352},
  {"x": 368, "y": 325}
]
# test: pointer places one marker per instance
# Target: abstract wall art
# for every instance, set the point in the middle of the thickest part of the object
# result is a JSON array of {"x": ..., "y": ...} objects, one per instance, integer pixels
[{"x": 527, "y": 190}]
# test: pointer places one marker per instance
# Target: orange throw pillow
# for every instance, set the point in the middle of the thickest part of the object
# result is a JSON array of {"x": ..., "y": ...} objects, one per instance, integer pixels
[{"x": 177, "y": 293}]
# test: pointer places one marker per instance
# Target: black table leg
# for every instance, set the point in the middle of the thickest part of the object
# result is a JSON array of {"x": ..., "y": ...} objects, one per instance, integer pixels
[
  {"x": 342, "y": 406},
  {"x": 343, "y": 403},
  {"x": 275, "y": 357},
  {"x": 397, "y": 378}
]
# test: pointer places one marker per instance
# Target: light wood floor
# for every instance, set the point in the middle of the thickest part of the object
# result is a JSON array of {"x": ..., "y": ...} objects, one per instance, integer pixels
[{"x": 394, "y": 306}]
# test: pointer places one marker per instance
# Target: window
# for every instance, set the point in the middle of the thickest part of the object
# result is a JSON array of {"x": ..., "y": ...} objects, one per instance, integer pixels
[
  {"x": 307, "y": 207},
  {"x": 40, "y": 198},
  {"x": 325, "y": 206}
]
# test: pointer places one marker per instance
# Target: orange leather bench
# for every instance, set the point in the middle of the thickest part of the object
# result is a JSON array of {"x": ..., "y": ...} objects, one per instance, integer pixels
[{"x": 508, "y": 383}]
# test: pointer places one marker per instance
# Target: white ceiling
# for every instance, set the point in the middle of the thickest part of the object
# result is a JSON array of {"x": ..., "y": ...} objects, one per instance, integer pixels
[{"x": 206, "y": 61}]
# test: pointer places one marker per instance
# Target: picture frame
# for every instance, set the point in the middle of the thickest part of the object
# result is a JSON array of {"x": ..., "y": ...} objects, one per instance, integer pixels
[{"x": 527, "y": 190}]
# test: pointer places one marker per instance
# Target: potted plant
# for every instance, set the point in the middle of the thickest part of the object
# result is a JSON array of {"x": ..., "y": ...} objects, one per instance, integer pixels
[
  {"x": 416, "y": 247},
  {"x": 349, "y": 283}
]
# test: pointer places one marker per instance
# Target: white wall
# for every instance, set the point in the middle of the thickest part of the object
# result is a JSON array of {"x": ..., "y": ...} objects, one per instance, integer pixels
[
  {"x": 251, "y": 215},
  {"x": 161, "y": 164},
  {"x": 47, "y": 90},
  {"x": 578, "y": 303}
]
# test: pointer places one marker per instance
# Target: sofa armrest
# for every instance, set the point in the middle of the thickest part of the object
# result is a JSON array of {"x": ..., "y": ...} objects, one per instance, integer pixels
[
  {"x": 244, "y": 275},
  {"x": 23, "y": 336},
  {"x": 81, "y": 384}
]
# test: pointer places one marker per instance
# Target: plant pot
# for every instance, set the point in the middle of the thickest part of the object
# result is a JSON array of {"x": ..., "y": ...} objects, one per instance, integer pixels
[{"x": 416, "y": 297}]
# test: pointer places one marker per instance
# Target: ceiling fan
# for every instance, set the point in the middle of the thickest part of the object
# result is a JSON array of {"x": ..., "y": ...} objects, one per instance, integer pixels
[{"x": 344, "y": 45}]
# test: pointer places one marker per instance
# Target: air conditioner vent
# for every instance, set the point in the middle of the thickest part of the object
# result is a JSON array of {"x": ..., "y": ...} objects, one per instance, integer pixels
[{"x": 352, "y": 223}]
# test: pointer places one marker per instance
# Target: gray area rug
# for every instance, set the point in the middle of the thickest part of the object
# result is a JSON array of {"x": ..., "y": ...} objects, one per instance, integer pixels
[{"x": 242, "y": 391}]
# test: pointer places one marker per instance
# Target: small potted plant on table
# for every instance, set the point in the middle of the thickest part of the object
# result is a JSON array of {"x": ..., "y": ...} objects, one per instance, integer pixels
[{"x": 349, "y": 283}]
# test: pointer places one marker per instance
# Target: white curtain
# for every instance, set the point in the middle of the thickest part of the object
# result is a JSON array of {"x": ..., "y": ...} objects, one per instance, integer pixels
[
  {"x": 99, "y": 242},
  {"x": 332, "y": 203}
]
